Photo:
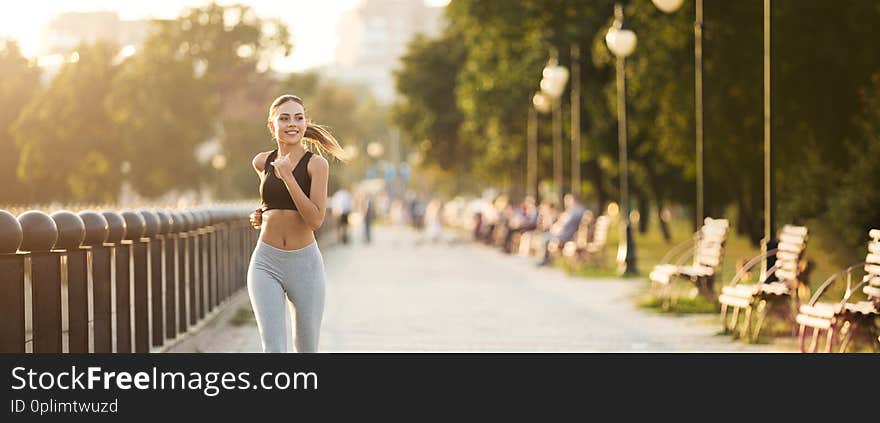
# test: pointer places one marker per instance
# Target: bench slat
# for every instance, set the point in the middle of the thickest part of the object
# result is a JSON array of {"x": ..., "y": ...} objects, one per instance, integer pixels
[
  {"x": 787, "y": 256},
  {"x": 740, "y": 290},
  {"x": 873, "y": 258},
  {"x": 874, "y": 233},
  {"x": 791, "y": 247},
  {"x": 792, "y": 239},
  {"x": 730, "y": 300},
  {"x": 819, "y": 310},
  {"x": 873, "y": 269},
  {"x": 785, "y": 275},
  {"x": 795, "y": 230},
  {"x": 872, "y": 291},
  {"x": 874, "y": 247},
  {"x": 813, "y": 322}
]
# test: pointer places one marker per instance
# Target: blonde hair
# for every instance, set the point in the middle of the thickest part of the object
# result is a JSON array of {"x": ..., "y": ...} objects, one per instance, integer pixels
[{"x": 321, "y": 138}]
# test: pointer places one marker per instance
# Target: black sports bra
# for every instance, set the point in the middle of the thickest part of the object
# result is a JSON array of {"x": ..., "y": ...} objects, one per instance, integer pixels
[{"x": 274, "y": 193}]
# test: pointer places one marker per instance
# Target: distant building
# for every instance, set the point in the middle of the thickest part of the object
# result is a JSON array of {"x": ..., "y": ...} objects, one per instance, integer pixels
[
  {"x": 67, "y": 30},
  {"x": 374, "y": 36}
]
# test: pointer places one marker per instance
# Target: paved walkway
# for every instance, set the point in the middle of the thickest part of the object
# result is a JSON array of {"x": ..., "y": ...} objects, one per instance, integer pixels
[{"x": 403, "y": 295}]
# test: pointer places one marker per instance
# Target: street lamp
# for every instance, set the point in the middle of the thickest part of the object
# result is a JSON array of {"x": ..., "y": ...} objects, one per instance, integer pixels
[
  {"x": 670, "y": 6},
  {"x": 541, "y": 104},
  {"x": 552, "y": 85},
  {"x": 622, "y": 42},
  {"x": 769, "y": 242}
]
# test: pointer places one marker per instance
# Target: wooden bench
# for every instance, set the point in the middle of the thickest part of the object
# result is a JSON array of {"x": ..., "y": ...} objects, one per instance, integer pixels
[
  {"x": 758, "y": 299},
  {"x": 705, "y": 251},
  {"x": 585, "y": 227},
  {"x": 588, "y": 246},
  {"x": 841, "y": 320}
]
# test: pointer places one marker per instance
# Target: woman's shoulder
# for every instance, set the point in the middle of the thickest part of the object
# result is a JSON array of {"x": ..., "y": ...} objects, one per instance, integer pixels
[
  {"x": 318, "y": 163},
  {"x": 260, "y": 159}
]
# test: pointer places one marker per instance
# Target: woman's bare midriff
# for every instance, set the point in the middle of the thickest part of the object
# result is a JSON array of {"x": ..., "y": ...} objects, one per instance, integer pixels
[{"x": 285, "y": 229}]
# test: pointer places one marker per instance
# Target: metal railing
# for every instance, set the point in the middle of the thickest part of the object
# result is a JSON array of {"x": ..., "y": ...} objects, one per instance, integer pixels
[{"x": 118, "y": 281}]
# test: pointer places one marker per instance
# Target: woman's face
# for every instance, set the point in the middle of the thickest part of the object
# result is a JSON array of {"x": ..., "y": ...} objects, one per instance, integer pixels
[{"x": 289, "y": 123}]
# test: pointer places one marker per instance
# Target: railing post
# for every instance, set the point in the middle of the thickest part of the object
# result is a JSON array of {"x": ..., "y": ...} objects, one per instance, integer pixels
[
  {"x": 75, "y": 287},
  {"x": 161, "y": 303},
  {"x": 107, "y": 279},
  {"x": 137, "y": 269},
  {"x": 192, "y": 259},
  {"x": 182, "y": 288},
  {"x": 156, "y": 276},
  {"x": 98, "y": 294},
  {"x": 42, "y": 283},
  {"x": 212, "y": 258},
  {"x": 12, "y": 327},
  {"x": 202, "y": 298}
]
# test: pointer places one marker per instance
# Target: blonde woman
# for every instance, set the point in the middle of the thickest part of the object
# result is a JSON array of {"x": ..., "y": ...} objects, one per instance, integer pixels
[{"x": 286, "y": 267}]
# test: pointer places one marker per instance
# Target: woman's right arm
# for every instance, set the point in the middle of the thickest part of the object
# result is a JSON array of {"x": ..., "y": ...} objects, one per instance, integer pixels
[{"x": 259, "y": 162}]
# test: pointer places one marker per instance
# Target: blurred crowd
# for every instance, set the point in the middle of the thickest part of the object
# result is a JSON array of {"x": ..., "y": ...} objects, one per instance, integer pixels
[{"x": 545, "y": 231}]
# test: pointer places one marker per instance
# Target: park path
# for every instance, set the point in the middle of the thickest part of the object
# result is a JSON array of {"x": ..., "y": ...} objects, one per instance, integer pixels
[{"x": 403, "y": 294}]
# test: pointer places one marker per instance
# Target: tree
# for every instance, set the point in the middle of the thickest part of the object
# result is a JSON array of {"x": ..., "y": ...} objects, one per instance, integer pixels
[
  {"x": 231, "y": 48},
  {"x": 69, "y": 149},
  {"x": 19, "y": 83},
  {"x": 428, "y": 112},
  {"x": 163, "y": 112}
]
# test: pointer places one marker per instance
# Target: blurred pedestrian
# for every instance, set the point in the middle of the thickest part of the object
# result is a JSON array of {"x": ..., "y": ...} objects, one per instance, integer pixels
[
  {"x": 369, "y": 214},
  {"x": 341, "y": 205}
]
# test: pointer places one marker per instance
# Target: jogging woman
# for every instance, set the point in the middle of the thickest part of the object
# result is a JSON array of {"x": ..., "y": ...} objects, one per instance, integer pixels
[{"x": 286, "y": 267}]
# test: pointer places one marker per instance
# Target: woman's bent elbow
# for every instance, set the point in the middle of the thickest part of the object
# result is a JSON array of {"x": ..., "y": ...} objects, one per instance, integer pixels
[{"x": 316, "y": 224}]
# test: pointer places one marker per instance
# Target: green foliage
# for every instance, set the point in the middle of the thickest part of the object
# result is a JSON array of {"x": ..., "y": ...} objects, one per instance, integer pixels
[
  {"x": 66, "y": 124},
  {"x": 428, "y": 113},
  {"x": 163, "y": 112},
  {"x": 19, "y": 82}
]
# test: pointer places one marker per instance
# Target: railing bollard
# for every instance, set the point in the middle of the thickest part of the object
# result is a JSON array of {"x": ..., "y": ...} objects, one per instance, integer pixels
[
  {"x": 201, "y": 252},
  {"x": 155, "y": 279},
  {"x": 224, "y": 258},
  {"x": 42, "y": 289},
  {"x": 212, "y": 258},
  {"x": 104, "y": 278},
  {"x": 236, "y": 250},
  {"x": 144, "y": 273},
  {"x": 98, "y": 295},
  {"x": 120, "y": 284},
  {"x": 181, "y": 225},
  {"x": 194, "y": 267},
  {"x": 75, "y": 288},
  {"x": 12, "y": 327},
  {"x": 163, "y": 300},
  {"x": 126, "y": 267}
]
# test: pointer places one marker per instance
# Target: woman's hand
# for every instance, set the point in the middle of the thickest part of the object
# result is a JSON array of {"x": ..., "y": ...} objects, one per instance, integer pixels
[
  {"x": 257, "y": 218},
  {"x": 283, "y": 167}
]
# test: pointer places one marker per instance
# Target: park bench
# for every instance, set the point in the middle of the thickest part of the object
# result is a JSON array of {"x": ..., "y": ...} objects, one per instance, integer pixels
[
  {"x": 841, "y": 320},
  {"x": 589, "y": 243},
  {"x": 705, "y": 250},
  {"x": 584, "y": 231},
  {"x": 758, "y": 299}
]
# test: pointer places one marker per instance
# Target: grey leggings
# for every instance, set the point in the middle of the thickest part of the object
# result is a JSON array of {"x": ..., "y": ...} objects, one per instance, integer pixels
[{"x": 297, "y": 274}]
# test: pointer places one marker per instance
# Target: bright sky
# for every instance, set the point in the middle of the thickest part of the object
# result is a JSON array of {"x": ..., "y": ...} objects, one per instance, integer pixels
[{"x": 312, "y": 22}]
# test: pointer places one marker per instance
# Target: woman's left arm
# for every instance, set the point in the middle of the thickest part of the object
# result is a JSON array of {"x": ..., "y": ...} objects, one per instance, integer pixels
[{"x": 313, "y": 207}]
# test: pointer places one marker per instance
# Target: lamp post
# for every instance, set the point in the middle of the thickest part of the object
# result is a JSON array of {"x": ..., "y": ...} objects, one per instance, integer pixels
[
  {"x": 542, "y": 105},
  {"x": 622, "y": 42},
  {"x": 769, "y": 242},
  {"x": 670, "y": 6},
  {"x": 575, "y": 119},
  {"x": 552, "y": 85}
]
